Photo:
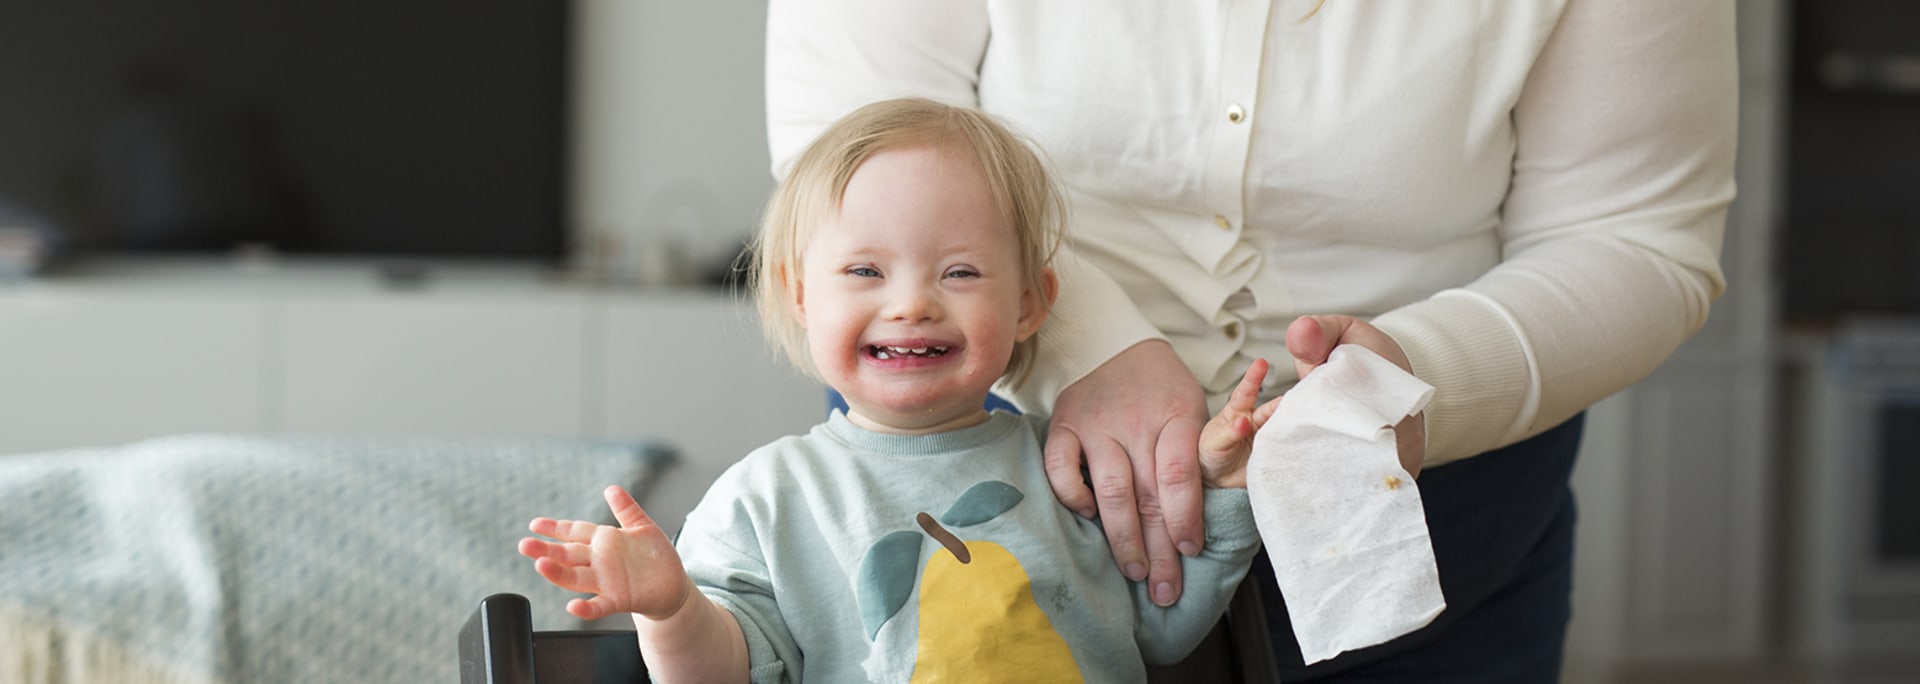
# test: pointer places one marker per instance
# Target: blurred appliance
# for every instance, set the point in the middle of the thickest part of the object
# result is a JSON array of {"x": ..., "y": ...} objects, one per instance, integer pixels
[
  {"x": 1852, "y": 231},
  {"x": 414, "y": 128},
  {"x": 1855, "y": 493}
]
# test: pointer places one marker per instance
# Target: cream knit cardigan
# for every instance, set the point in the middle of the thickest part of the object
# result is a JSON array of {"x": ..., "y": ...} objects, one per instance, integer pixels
[{"x": 1528, "y": 195}]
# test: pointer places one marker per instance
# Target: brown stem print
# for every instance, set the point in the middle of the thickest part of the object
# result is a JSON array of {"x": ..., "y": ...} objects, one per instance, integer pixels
[{"x": 940, "y": 534}]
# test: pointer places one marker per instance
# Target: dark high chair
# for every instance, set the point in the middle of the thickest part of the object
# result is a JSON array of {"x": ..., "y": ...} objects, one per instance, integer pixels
[{"x": 498, "y": 646}]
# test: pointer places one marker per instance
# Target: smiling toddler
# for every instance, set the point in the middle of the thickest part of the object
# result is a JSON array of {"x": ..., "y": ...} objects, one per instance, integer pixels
[{"x": 906, "y": 263}]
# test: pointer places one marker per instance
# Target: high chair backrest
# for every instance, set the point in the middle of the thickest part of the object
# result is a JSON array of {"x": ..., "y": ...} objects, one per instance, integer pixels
[{"x": 499, "y": 646}]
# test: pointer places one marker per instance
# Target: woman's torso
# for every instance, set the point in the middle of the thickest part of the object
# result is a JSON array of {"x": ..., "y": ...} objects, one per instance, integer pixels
[{"x": 1234, "y": 167}]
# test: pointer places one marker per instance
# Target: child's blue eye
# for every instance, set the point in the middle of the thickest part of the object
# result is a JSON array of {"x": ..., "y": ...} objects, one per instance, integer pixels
[
  {"x": 864, "y": 272},
  {"x": 963, "y": 273}
]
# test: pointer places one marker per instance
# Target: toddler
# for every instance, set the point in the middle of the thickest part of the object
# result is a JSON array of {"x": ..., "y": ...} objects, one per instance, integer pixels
[{"x": 905, "y": 262}]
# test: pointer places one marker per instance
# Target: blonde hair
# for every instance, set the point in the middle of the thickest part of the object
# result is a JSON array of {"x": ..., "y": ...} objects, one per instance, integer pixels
[{"x": 1016, "y": 175}]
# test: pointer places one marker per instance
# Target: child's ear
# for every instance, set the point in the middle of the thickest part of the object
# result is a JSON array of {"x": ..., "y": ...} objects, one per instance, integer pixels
[
  {"x": 797, "y": 294},
  {"x": 1036, "y": 302}
]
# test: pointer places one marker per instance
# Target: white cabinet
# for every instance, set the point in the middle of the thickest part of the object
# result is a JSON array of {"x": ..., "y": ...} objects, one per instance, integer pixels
[
  {"x": 124, "y": 351},
  {"x": 92, "y": 365},
  {"x": 452, "y": 364}
]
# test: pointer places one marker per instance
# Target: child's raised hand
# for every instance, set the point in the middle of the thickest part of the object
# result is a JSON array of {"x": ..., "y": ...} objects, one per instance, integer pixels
[
  {"x": 632, "y": 568},
  {"x": 1227, "y": 440}
]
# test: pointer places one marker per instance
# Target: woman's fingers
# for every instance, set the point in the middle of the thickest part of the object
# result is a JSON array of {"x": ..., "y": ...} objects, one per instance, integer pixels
[
  {"x": 1410, "y": 437},
  {"x": 1111, "y": 474},
  {"x": 1163, "y": 513},
  {"x": 1310, "y": 339},
  {"x": 1062, "y": 457},
  {"x": 1176, "y": 465},
  {"x": 1136, "y": 421},
  {"x": 1309, "y": 342}
]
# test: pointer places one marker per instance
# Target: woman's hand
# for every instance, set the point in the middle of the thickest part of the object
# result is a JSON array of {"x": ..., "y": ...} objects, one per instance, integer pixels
[
  {"x": 1311, "y": 338},
  {"x": 1135, "y": 422},
  {"x": 632, "y": 568}
]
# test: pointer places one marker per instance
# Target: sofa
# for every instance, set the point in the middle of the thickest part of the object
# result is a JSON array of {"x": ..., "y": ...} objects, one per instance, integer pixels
[{"x": 242, "y": 558}]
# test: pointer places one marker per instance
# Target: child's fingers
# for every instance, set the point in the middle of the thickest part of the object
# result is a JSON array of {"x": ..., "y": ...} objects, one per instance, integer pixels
[
  {"x": 569, "y": 554},
  {"x": 589, "y": 609},
  {"x": 1231, "y": 427},
  {"x": 577, "y": 531},
  {"x": 572, "y": 578},
  {"x": 1223, "y": 440},
  {"x": 1247, "y": 393},
  {"x": 625, "y": 509},
  {"x": 1260, "y": 415}
]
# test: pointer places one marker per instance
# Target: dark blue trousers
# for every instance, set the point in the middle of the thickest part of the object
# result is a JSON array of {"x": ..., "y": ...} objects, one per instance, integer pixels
[{"x": 1502, "y": 530}]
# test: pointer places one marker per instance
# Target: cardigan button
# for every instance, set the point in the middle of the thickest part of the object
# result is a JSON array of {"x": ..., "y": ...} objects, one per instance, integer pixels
[
  {"x": 1222, "y": 222},
  {"x": 1236, "y": 114}
]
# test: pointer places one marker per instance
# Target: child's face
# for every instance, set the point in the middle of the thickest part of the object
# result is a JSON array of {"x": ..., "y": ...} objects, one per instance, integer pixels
[{"x": 914, "y": 294}]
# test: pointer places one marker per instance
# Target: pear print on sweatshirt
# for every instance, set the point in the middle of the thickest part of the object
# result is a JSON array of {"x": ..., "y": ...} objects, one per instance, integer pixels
[{"x": 978, "y": 617}]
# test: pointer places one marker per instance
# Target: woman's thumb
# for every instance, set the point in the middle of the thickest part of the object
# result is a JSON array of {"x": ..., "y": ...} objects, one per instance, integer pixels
[{"x": 1309, "y": 340}]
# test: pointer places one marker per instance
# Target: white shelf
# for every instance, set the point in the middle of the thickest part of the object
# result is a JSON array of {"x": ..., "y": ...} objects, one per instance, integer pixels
[{"x": 118, "y": 350}]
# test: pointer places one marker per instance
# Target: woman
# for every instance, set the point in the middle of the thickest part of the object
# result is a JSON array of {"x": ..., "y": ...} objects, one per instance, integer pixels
[{"x": 1519, "y": 202}]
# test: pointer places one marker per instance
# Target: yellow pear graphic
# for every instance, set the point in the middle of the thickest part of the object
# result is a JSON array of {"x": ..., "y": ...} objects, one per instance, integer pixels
[{"x": 978, "y": 619}]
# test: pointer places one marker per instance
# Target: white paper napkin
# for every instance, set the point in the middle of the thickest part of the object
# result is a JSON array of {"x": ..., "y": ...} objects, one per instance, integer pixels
[{"x": 1342, "y": 521}]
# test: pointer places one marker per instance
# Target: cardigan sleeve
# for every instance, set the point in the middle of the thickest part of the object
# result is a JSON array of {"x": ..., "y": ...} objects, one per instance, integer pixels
[{"x": 1611, "y": 229}]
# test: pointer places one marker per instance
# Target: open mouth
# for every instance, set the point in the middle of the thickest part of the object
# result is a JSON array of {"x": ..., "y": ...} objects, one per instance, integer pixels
[{"x": 883, "y": 352}]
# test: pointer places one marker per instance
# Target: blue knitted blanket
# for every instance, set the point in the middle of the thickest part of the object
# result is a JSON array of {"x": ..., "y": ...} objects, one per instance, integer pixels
[{"x": 216, "y": 558}]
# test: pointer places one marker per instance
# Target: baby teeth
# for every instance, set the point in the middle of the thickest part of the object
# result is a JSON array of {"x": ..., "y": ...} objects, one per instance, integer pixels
[{"x": 884, "y": 353}]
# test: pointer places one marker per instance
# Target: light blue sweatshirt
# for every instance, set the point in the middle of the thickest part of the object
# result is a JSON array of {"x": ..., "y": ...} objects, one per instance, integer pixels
[{"x": 814, "y": 543}]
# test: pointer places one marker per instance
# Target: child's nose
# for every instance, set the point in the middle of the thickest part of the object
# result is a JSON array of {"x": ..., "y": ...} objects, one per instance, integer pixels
[{"x": 913, "y": 303}]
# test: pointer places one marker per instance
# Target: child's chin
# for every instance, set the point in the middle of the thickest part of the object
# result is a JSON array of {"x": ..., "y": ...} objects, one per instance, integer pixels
[{"x": 917, "y": 416}]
